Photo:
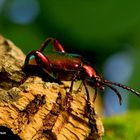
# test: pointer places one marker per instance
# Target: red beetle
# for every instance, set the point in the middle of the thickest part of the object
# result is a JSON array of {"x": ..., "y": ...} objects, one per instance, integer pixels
[{"x": 60, "y": 65}]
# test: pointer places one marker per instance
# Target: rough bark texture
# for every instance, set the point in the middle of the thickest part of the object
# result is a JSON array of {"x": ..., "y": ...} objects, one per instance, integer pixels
[{"x": 39, "y": 110}]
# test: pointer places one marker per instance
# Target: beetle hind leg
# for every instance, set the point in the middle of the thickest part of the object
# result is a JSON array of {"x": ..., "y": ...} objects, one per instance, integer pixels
[{"x": 56, "y": 45}]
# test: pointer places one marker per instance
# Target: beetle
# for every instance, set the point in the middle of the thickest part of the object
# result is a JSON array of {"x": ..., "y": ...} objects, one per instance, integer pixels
[{"x": 60, "y": 65}]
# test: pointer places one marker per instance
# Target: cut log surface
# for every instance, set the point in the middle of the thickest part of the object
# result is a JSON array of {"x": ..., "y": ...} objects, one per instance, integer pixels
[{"x": 39, "y": 110}]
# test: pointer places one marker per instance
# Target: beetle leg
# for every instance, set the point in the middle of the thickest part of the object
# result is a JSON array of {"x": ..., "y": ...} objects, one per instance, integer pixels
[
  {"x": 68, "y": 95},
  {"x": 26, "y": 66},
  {"x": 80, "y": 87},
  {"x": 57, "y": 46},
  {"x": 73, "y": 79},
  {"x": 45, "y": 43},
  {"x": 72, "y": 82},
  {"x": 89, "y": 110},
  {"x": 95, "y": 94},
  {"x": 42, "y": 60},
  {"x": 41, "y": 65},
  {"x": 87, "y": 92},
  {"x": 28, "y": 57},
  {"x": 95, "y": 88},
  {"x": 71, "y": 86}
]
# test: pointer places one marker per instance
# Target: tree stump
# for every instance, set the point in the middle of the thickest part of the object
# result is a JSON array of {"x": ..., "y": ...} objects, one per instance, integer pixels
[{"x": 39, "y": 110}]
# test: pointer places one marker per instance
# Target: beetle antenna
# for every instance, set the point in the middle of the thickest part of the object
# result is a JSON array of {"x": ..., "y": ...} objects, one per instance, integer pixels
[
  {"x": 122, "y": 86},
  {"x": 100, "y": 82},
  {"x": 114, "y": 89}
]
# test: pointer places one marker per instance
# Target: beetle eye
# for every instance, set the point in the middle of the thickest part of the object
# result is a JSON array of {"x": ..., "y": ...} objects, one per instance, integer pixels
[{"x": 32, "y": 60}]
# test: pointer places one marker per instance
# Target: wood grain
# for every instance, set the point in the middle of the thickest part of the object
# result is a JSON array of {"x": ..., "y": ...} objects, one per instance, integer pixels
[{"x": 39, "y": 110}]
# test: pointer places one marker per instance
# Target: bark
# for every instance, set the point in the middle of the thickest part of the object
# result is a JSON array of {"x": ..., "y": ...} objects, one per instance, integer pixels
[{"x": 39, "y": 110}]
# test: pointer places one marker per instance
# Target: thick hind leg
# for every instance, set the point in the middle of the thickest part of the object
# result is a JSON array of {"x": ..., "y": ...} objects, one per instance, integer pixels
[{"x": 56, "y": 45}]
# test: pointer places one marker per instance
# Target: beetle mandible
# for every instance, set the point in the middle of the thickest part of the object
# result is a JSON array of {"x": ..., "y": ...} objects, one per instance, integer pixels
[{"x": 60, "y": 65}]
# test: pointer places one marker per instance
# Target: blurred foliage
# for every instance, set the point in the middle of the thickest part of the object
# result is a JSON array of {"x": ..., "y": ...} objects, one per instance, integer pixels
[
  {"x": 101, "y": 26},
  {"x": 100, "y": 22},
  {"x": 134, "y": 102},
  {"x": 122, "y": 127}
]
